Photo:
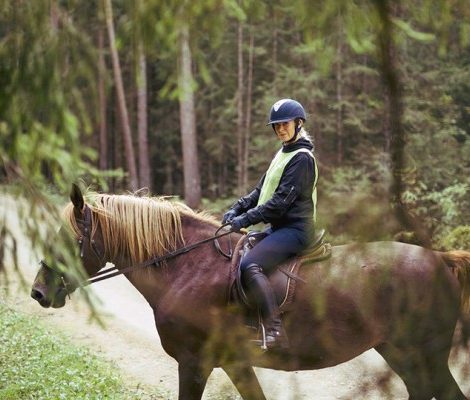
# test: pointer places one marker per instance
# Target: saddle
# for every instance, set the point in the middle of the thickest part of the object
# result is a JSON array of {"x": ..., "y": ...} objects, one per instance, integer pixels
[{"x": 283, "y": 279}]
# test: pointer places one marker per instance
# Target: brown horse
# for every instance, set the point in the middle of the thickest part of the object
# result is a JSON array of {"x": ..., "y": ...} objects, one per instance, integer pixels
[{"x": 402, "y": 300}]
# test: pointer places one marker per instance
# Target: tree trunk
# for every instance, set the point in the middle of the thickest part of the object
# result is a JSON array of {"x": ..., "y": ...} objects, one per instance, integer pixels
[
  {"x": 103, "y": 151},
  {"x": 143, "y": 156},
  {"x": 123, "y": 112},
  {"x": 249, "y": 94},
  {"x": 386, "y": 122},
  {"x": 339, "y": 96},
  {"x": 192, "y": 181},
  {"x": 240, "y": 119},
  {"x": 275, "y": 43},
  {"x": 389, "y": 69},
  {"x": 54, "y": 16}
]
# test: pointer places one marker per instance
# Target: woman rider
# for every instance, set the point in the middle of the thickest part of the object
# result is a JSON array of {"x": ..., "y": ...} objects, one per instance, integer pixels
[{"x": 285, "y": 198}]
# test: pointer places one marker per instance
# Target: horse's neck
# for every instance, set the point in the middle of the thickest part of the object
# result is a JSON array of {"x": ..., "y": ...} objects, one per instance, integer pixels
[
  {"x": 195, "y": 230},
  {"x": 200, "y": 265},
  {"x": 147, "y": 280}
]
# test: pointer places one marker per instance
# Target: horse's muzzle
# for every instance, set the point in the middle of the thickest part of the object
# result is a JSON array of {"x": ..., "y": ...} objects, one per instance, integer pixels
[{"x": 58, "y": 301}]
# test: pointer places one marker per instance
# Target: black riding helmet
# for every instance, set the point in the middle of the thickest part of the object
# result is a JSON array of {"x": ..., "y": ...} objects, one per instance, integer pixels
[{"x": 287, "y": 110}]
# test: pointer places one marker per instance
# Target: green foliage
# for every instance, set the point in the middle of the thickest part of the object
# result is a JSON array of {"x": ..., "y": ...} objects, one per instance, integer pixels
[
  {"x": 322, "y": 53},
  {"x": 353, "y": 201},
  {"x": 458, "y": 238},
  {"x": 219, "y": 206},
  {"x": 412, "y": 33},
  {"x": 40, "y": 364},
  {"x": 42, "y": 106},
  {"x": 453, "y": 203},
  {"x": 435, "y": 115},
  {"x": 47, "y": 87},
  {"x": 437, "y": 183}
]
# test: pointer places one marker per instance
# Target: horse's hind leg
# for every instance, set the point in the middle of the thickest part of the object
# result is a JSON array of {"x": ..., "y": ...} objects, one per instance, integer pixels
[
  {"x": 409, "y": 368},
  {"x": 445, "y": 386},
  {"x": 246, "y": 381},
  {"x": 425, "y": 373}
]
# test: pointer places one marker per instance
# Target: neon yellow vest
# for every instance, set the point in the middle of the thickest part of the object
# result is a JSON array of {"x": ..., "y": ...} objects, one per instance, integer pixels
[{"x": 274, "y": 174}]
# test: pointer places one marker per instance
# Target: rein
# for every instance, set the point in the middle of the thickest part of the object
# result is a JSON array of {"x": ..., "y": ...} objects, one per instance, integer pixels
[{"x": 113, "y": 271}]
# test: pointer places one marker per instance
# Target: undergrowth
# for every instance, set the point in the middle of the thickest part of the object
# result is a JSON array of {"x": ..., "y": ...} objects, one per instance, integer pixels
[{"x": 36, "y": 363}]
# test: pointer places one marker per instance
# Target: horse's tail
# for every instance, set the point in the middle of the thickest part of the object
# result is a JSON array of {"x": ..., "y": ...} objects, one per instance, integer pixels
[{"x": 459, "y": 262}]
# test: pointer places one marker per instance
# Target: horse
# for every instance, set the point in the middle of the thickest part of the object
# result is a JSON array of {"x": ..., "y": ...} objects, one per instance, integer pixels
[{"x": 400, "y": 299}]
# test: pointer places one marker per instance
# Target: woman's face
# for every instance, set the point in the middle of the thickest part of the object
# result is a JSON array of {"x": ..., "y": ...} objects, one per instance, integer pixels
[{"x": 285, "y": 131}]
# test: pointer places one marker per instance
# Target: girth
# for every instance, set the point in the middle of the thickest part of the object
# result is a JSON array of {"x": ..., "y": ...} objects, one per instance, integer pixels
[{"x": 284, "y": 278}]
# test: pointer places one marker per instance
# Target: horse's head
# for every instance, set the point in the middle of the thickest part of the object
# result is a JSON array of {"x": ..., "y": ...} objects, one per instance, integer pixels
[{"x": 52, "y": 285}]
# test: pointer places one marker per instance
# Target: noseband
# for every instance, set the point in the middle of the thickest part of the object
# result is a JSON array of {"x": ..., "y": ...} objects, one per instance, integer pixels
[
  {"x": 86, "y": 235},
  {"x": 61, "y": 275}
]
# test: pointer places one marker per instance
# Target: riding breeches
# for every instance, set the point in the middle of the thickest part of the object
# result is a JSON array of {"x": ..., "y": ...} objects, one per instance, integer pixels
[{"x": 276, "y": 248}]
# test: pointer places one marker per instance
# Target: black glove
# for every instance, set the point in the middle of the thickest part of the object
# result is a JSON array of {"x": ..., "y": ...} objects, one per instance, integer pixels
[
  {"x": 229, "y": 215},
  {"x": 240, "y": 222}
]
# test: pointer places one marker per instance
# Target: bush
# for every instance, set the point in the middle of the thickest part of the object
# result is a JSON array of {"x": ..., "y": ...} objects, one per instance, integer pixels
[{"x": 458, "y": 239}]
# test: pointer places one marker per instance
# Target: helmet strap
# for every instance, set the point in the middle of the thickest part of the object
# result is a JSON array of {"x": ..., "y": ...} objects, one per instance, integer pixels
[{"x": 298, "y": 128}]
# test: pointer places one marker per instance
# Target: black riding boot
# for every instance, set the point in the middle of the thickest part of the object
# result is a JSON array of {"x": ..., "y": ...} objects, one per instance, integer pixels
[{"x": 259, "y": 289}]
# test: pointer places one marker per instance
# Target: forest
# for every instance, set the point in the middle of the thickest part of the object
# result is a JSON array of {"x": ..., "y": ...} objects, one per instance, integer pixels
[{"x": 173, "y": 96}]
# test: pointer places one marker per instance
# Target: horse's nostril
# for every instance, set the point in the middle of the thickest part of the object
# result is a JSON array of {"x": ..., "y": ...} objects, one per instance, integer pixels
[{"x": 37, "y": 294}]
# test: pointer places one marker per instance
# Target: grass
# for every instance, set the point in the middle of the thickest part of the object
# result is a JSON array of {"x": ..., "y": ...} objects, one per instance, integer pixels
[{"x": 36, "y": 363}]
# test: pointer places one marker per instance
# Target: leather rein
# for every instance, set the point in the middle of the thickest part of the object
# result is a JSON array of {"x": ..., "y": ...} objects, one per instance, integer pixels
[{"x": 111, "y": 272}]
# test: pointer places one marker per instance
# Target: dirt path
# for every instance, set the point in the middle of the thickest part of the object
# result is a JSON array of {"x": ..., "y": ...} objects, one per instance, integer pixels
[{"x": 130, "y": 341}]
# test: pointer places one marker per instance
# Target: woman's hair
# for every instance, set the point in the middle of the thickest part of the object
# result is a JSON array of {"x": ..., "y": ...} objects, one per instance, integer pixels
[{"x": 303, "y": 132}]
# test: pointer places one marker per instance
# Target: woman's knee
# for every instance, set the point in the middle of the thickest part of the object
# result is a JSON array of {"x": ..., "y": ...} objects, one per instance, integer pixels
[{"x": 248, "y": 262}]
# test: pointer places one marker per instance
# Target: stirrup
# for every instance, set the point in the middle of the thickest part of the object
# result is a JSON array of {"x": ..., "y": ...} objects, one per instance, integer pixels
[
  {"x": 268, "y": 341},
  {"x": 261, "y": 342}
]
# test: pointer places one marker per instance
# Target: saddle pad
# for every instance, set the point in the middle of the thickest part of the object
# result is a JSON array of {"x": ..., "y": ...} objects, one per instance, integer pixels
[{"x": 319, "y": 253}]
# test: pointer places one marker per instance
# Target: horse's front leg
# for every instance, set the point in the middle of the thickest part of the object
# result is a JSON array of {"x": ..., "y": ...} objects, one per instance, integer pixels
[
  {"x": 246, "y": 381},
  {"x": 192, "y": 379}
]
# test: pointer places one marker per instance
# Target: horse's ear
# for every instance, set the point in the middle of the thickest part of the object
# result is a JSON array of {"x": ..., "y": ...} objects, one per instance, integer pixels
[{"x": 77, "y": 197}]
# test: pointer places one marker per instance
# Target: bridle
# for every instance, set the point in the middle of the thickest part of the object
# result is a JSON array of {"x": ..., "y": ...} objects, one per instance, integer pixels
[
  {"x": 87, "y": 234},
  {"x": 111, "y": 272}
]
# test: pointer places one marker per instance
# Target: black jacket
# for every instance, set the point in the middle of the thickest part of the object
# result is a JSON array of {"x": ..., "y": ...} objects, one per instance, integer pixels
[{"x": 291, "y": 204}]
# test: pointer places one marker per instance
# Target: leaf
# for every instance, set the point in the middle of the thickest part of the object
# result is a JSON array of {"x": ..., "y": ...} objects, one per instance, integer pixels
[
  {"x": 465, "y": 34},
  {"x": 363, "y": 46},
  {"x": 412, "y": 33}
]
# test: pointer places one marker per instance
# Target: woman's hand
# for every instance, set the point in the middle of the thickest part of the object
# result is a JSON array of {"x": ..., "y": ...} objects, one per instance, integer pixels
[
  {"x": 229, "y": 216},
  {"x": 240, "y": 222}
]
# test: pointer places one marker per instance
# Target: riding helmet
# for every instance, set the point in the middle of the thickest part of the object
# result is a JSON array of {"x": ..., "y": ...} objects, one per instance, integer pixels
[{"x": 286, "y": 110}]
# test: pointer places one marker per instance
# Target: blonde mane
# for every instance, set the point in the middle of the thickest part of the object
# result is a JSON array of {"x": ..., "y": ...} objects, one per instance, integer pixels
[{"x": 138, "y": 227}]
